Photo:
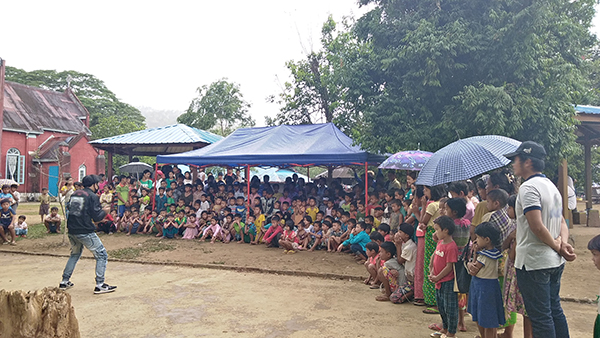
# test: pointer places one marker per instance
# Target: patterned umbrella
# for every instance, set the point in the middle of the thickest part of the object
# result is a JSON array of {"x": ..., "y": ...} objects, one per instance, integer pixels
[
  {"x": 406, "y": 160},
  {"x": 467, "y": 158},
  {"x": 7, "y": 181}
]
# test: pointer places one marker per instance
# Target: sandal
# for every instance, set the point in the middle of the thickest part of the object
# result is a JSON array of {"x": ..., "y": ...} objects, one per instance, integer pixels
[
  {"x": 435, "y": 327},
  {"x": 431, "y": 311},
  {"x": 419, "y": 302},
  {"x": 436, "y": 334}
]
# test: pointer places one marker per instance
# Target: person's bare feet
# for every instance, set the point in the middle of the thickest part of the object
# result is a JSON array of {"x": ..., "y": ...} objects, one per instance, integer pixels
[
  {"x": 128, "y": 234},
  {"x": 382, "y": 298}
]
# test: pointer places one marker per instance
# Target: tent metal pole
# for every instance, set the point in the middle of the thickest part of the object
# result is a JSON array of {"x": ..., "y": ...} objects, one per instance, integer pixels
[
  {"x": 248, "y": 185},
  {"x": 154, "y": 187},
  {"x": 366, "y": 185},
  {"x": 308, "y": 173}
]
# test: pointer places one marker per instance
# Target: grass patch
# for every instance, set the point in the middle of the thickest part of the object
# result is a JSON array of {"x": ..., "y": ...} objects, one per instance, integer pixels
[
  {"x": 151, "y": 245},
  {"x": 217, "y": 262}
]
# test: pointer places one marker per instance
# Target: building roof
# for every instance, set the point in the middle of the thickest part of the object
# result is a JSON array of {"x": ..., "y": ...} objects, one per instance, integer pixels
[
  {"x": 312, "y": 144},
  {"x": 171, "y": 139},
  {"x": 48, "y": 150},
  {"x": 588, "y": 129},
  {"x": 35, "y": 110}
]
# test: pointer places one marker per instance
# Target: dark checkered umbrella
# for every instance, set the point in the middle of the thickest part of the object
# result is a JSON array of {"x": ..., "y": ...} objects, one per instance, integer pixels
[{"x": 467, "y": 158}]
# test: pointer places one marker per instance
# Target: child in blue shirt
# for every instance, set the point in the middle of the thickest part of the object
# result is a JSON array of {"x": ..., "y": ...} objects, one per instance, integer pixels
[{"x": 240, "y": 208}]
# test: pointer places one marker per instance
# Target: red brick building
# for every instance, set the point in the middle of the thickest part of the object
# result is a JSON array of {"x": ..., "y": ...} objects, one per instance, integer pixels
[{"x": 44, "y": 135}]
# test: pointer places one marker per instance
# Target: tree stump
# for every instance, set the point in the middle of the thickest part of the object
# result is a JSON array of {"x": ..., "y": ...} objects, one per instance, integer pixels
[{"x": 43, "y": 313}]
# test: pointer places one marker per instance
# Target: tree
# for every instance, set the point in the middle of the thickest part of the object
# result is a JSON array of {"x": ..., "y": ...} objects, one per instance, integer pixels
[
  {"x": 219, "y": 108},
  {"x": 108, "y": 115},
  {"x": 318, "y": 90},
  {"x": 454, "y": 69}
]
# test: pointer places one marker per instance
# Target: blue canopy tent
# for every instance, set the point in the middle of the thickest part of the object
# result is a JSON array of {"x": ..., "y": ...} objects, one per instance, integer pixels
[
  {"x": 280, "y": 146},
  {"x": 299, "y": 145}
]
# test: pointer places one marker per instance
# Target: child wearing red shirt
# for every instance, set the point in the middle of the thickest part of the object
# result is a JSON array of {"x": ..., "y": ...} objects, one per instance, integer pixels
[{"x": 442, "y": 274}]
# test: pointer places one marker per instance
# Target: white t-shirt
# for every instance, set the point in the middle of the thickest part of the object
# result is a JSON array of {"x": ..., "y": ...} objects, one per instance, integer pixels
[
  {"x": 409, "y": 253},
  {"x": 538, "y": 193},
  {"x": 20, "y": 226}
]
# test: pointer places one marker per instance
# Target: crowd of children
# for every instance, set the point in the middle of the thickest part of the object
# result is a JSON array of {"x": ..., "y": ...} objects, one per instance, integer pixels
[
  {"x": 449, "y": 248},
  {"x": 11, "y": 226}
]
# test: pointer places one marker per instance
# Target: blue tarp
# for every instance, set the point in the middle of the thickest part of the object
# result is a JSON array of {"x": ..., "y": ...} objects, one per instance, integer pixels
[{"x": 315, "y": 144}]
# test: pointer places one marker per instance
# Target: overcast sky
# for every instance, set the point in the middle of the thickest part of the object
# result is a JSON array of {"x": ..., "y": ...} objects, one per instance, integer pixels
[{"x": 156, "y": 54}]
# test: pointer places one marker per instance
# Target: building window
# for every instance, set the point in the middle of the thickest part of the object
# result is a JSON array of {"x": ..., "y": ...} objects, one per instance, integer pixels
[
  {"x": 15, "y": 165},
  {"x": 82, "y": 172}
]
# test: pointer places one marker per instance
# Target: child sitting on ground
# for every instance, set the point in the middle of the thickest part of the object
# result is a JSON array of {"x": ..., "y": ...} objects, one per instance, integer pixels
[
  {"x": 135, "y": 222},
  {"x": 408, "y": 258},
  {"x": 107, "y": 225},
  {"x": 21, "y": 227},
  {"x": 485, "y": 299},
  {"x": 191, "y": 227},
  {"x": 373, "y": 263},
  {"x": 213, "y": 230},
  {"x": 357, "y": 242},
  {"x": 170, "y": 227},
  {"x": 389, "y": 272},
  {"x": 335, "y": 237},
  {"x": 316, "y": 237},
  {"x": 384, "y": 230},
  {"x": 250, "y": 230},
  {"x": 303, "y": 237},
  {"x": 259, "y": 220},
  {"x": 271, "y": 236},
  {"x": 289, "y": 241},
  {"x": 53, "y": 221},
  {"x": 237, "y": 228},
  {"x": 150, "y": 221}
]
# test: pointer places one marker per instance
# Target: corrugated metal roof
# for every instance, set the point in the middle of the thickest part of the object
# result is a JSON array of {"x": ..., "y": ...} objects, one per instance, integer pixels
[
  {"x": 34, "y": 109},
  {"x": 173, "y": 134},
  {"x": 587, "y": 109}
]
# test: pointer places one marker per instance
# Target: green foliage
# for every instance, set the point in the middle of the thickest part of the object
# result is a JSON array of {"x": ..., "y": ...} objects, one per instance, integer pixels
[
  {"x": 422, "y": 72},
  {"x": 318, "y": 89},
  {"x": 108, "y": 115},
  {"x": 219, "y": 108}
]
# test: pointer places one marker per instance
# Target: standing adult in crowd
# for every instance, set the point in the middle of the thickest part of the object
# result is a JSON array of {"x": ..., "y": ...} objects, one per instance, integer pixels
[{"x": 542, "y": 246}]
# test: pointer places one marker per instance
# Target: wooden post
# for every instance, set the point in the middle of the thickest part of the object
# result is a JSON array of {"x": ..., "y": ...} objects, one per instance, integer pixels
[
  {"x": 308, "y": 173},
  {"x": 248, "y": 185},
  {"x": 109, "y": 161},
  {"x": 366, "y": 185},
  {"x": 588, "y": 174},
  {"x": 563, "y": 187}
]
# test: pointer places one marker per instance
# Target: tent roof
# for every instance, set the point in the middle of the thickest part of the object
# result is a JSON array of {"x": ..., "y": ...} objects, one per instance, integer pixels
[
  {"x": 171, "y": 139},
  {"x": 315, "y": 144}
]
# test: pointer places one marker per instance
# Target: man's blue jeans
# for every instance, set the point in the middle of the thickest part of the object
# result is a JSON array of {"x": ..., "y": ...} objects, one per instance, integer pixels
[
  {"x": 540, "y": 290},
  {"x": 92, "y": 243}
]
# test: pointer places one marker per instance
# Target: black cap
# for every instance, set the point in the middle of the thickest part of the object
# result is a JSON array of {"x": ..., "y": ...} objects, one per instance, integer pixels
[
  {"x": 529, "y": 149},
  {"x": 89, "y": 180}
]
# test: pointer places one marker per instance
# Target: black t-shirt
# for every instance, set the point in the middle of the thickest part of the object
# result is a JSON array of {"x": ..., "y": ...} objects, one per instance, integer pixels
[
  {"x": 84, "y": 209},
  {"x": 6, "y": 216}
]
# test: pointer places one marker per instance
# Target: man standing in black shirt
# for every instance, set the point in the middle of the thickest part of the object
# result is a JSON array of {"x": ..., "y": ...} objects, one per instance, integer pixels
[{"x": 84, "y": 209}]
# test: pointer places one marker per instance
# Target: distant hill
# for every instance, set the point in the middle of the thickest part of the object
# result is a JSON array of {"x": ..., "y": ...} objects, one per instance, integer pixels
[{"x": 158, "y": 117}]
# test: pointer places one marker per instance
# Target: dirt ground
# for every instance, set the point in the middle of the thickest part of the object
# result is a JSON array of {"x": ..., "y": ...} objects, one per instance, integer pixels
[
  {"x": 580, "y": 279},
  {"x": 169, "y": 301}
]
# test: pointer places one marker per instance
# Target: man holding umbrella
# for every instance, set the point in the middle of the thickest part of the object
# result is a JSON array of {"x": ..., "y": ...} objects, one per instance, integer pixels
[
  {"x": 542, "y": 246},
  {"x": 84, "y": 210}
]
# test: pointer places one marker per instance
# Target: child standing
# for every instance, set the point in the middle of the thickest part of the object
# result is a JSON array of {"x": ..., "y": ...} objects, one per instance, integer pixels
[
  {"x": 485, "y": 301},
  {"x": 44, "y": 204},
  {"x": 594, "y": 247},
  {"x": 442, "y": 275}
]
